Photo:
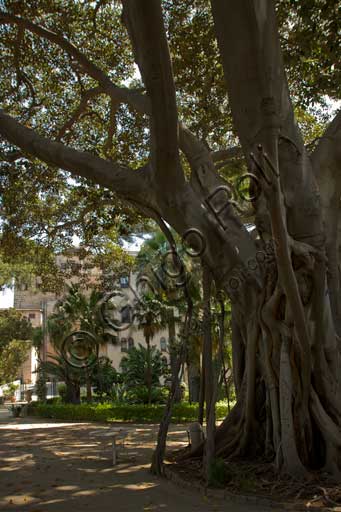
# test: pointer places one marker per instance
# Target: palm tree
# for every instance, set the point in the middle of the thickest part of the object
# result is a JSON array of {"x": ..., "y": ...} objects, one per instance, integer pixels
[
  {"x": 58, "y": 368},
  {"x": 149, "y": 314},
  {"x": 77, "y": 311},
  {"x": 134, "y": 365},
  {"x": 155, "y": 262}
]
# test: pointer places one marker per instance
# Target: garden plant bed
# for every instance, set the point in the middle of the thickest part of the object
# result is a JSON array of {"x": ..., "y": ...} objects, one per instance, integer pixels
[
  {"x": 111, "y": 412},
  {"x": 258, "y": 483}
]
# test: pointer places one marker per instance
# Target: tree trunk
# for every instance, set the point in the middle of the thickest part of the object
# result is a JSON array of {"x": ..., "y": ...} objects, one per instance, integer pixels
[
  {"x": 193, "y": 369},
  {"x": 159, "y": 453},
  {"x": 224, "y": 369},
  {"x": 88, "y": 389},
  {"x": 286, "y": 309},
  {"x": 173, "y": 352},
  {"x": 72, "y": 392},
  {"x": 149, "y": 376},
  {"x": 210, "y": 394},
  {"x": 202, "y": 391}
]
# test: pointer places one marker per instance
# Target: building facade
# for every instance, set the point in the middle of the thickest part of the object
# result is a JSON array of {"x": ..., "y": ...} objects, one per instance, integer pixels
[{"x": 37, "y": 306}]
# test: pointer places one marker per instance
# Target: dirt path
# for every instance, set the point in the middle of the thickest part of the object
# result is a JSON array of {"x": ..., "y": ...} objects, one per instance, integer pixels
[{"x": 55, "y": 467}]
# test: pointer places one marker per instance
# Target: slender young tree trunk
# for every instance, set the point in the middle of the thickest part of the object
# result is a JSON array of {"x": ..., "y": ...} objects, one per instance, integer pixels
[
  {"x": 88, "y": 389},
  {"x": 202, "y": 391},
  {"x": 193, "y": 369},
  {"x": 286, "y": 309},
  {"x": 221, "y": 349},
  {"x": 149, "y": 370},
  {"x": 210, "y": 394},
  {"x": 159, "y": 453},
  {"x": 72, "y": 392},
  {"x": 173, "y": 351}
]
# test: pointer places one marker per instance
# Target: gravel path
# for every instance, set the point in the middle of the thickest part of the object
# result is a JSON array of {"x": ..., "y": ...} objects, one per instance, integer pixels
[{"x": 58, "y": 467}]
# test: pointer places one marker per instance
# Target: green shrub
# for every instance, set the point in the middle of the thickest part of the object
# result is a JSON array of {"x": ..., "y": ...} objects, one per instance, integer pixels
[
  {"x": 139, "y": 395},
  {"x": 138, "y": 413},
  {"x": 62, "y": 391},
  {"x": 219, "y": 474},
  {"x": 55, "y": 400}
]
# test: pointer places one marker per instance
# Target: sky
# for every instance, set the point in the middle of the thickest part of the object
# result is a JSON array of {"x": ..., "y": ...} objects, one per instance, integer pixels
[{"x": 6, "y": 298}]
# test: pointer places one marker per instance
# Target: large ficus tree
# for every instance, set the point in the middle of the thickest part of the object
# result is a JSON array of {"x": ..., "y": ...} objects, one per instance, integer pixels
[{"x": 63, "y": 94}]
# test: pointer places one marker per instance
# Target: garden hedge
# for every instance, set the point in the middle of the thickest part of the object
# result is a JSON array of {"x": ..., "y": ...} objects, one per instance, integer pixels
[{"x": 182, "y": 413}]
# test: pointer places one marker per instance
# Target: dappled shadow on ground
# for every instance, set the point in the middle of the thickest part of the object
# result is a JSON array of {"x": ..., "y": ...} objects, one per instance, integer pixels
[{"x": 52, "y": 467}]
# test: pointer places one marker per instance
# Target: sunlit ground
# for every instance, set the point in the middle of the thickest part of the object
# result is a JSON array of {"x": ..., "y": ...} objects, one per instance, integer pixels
[{"x": 51, "y": 466}]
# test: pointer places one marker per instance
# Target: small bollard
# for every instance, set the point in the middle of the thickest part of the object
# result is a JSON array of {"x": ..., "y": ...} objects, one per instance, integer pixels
[{"x": 195, "y": 435}]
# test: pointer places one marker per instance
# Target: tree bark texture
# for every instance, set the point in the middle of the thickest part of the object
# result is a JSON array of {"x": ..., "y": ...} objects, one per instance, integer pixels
[{"x": 284, "y": 285}]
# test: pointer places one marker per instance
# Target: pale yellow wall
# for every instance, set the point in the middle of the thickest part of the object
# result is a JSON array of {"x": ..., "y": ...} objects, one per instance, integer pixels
[
  {"x": 114, "y": 351},
  {"x": 30, "y": 301}
]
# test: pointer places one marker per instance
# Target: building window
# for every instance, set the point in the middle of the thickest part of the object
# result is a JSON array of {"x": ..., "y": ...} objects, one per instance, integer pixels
[
  {"x": 110, "y": 338},
  {"x": 130, "y": 343},
  {"x": 31, "y": 315},
  {"x": 126, "y": 315},
  {"x": 124, "y": 345},
  {"x": 163, "y": 344},
  {"x": 124, "y": 281}
]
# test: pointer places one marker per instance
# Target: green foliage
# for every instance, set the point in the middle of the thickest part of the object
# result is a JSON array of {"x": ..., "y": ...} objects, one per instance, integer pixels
[
  {"x": 310, "y": 38},
  {"x": 62, "y": 390},
  {"x": 10, "y": 390},
  {"x": 37, "y": 338},
  {"x": 149, "y": 313},
  {"x": 139, "y": 395},
  {"x": 104, "y": 377},
  {"x": 54, "y": 400},
  {"x": 155, "y": 262},
  {"x": 134, "y": 366},
  {"x": 41, "y": 208},
  {"x": 14, "y": 270},
  {"x": 41, "y": 389},
  {"x": 76, "y": 308},
  {"x": 12, "y": 356},
  {"x": 15, "y": 333},
  {"x": 57, "y": 368},
  {"x": 218, "y": 473},
  {"x": 182, "y": 412},
  {"x": 13, "y": 327}
]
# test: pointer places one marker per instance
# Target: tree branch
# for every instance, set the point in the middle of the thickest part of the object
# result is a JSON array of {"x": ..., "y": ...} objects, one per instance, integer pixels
[
  {"x": 327, "y": 155},
  {"x": 144, "y": 22},
  {"x": 259, "y": 98},
  {"x": 326, "y": 162},
  {"x": 122, "y": 94},
  {"x": 248, "y": 33},
  {"x": 111, "y": 127},
  {"x": 91, "y": 93},
  {"x": 133, "y": 97},
  {"x": 11, "y": 157},
  {"x": 227, "y": 154},
  {"x": 126, "y": 182}
]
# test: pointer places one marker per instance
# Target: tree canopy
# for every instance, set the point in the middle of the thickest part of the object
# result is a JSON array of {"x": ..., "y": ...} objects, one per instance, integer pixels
[
  {"x": 15, "y": 335},
  {"x": 58, "y": 57},
  {"x": 222, "y": 88}
]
